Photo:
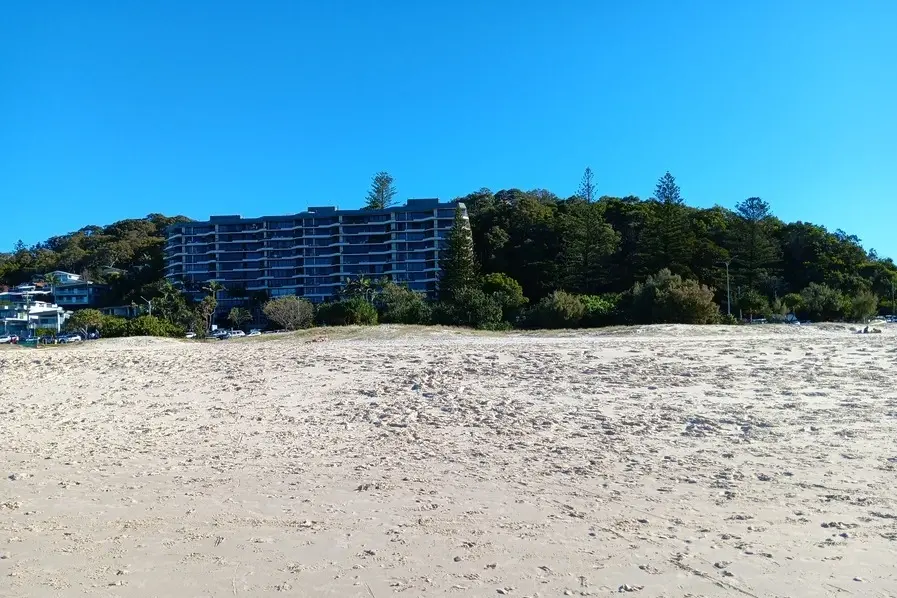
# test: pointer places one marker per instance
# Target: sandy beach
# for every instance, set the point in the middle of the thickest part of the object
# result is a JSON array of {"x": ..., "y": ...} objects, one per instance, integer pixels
[{"x": 657, "y": 461}]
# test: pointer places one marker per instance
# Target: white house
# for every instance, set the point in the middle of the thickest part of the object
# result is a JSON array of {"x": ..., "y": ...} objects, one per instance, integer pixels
[
  {"x": 25, "y": 317},
  {"x": 65, "y": 277}
]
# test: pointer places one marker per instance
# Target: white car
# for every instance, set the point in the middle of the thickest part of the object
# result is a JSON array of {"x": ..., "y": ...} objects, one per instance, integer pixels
[
  {"x": 254, "y": 332},
  {"x": 190, "y": 335},
  {"x": 5, "y": 338},
  {"x": 236, "y": 333}
]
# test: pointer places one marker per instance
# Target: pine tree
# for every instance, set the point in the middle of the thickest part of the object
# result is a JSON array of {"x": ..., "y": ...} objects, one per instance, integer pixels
[
  {"x": 587, "y": 242},
  {"x": 381, "y": 193},
  {"x": 457, "y": 261},
  {"x": 667, "y": 191},
  {"x": 668, "y": 240},
  {"x": 587, "y": 188},
  {"x": 755, "y": 248}
]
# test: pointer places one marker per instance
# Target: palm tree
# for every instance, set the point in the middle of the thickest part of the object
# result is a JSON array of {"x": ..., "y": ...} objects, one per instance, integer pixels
[
  {"x": 213, "y": 287},
  {"x": 52, "y": 280}
]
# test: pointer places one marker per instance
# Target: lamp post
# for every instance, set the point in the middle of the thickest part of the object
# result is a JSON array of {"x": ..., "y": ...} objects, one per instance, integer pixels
[{"x": 149, "y": 305}]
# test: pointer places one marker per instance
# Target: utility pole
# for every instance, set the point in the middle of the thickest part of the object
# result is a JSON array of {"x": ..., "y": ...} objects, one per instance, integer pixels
[{"x": 149, "y": 304}]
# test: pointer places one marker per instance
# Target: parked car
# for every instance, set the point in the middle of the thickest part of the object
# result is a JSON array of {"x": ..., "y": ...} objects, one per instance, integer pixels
[
  {"x": 190, "y": 335},
  {"x": 255, "y": 332},
  {"x": 70, "y": 338},
  {"x": 5, "y": 339},
  {"x": 236, "y": 333}
]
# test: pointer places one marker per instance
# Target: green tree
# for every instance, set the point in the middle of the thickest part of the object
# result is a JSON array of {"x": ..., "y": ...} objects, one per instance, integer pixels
[
  {"x": 752, "y": 303},
  {"x": 668, "y": 241},
  {"x": 588, "y": 241},
  {"x": 400, "y": 305},
  {"x": 169, "y": 303},
  {"x": 53, "y": 280},
  {"x": 864, "y": 305},
  {"x": 457, "y": 262},
  {"x": 600, "y": 310},
  {"x": 558, "y": 310},
  {"x": 290, "y": 312},
  {"x": 360, "y": 287},
  {"x": 667, "y": 298},
  {"x": 209, "y": 303},
  {"x": 793, "y": 302},
  {"x": 667, "y": 191},
  {"x": 506, "y": 291},
  {"x": 820, "y": 302},
  {"x": 588, "y": 190},
  {"x": 153, "y": 326},
  {"x": 754, "y": 245},
  {"x": 85, "y": 321},
  {"x": 238, "y": 316},
  {"x": 382, "y": 192},
  {"x": 206, "y": 310},
  {"x": 469, "y": 306},
  {"x": 355, "y": 311}
]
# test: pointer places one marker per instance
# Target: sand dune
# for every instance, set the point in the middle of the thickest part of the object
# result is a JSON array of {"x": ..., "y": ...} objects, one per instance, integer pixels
[{"x": 654, "y": 461}]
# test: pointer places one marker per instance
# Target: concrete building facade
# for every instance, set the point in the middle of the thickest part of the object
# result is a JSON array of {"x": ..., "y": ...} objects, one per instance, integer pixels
[{"x": 312, "y": 254}]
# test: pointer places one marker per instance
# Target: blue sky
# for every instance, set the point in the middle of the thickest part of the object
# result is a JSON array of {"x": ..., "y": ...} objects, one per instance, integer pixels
[{"x": 116, "y": 109}]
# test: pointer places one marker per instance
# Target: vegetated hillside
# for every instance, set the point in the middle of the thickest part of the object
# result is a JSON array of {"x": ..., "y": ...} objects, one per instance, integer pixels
[
  {"x": 609, "y": 244},
  {"x": 127, "y": 254},
  {"x": 586, "y": 245}
]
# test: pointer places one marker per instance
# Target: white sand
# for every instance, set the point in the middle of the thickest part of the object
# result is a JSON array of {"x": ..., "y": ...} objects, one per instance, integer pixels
[{"x": 664, "y": 461}]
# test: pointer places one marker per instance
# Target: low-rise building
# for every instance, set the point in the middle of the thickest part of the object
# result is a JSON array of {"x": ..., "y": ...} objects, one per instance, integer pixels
[
  {"x": 24, "y": 317},
  {"x": 74, "y": 292},
  {"x": 80, "y": 294},
  {"x": 121, "y": 311},
  {"x": 62, "y": 277}
]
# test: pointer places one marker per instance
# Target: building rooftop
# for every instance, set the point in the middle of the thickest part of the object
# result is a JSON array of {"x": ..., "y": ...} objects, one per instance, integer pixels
[{"x": 411, "y": 204}]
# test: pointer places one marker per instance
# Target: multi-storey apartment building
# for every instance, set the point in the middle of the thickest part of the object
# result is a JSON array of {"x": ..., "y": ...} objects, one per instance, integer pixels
[{"x": 312, "y": 254}]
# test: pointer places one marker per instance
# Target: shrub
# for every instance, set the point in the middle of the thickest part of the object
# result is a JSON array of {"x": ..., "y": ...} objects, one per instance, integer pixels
[
  {"x": 864, "y": 306},
  {"x": 475, "y": 308},
  {"x": 442, "y": 313},
  {"x": 85, "y": 320},
  {"x": 793, "y": 302},
  {"x": 153, "y": 326},
  {"x": 400, "y": 305},
  {"x": 558, "y": 310},
  {"x": 600, "y": 310},
  {"x": 666, "y": 298},
  {"x": 819, "y": 302},
  {"x": 238, "y": 316},
  {"x": 728, "y": 320},
  {"x": 114, "y": 327},
  {"x": 469, "y": 307},
  {"x": 506, "y": 291},
  {"x": 354, "y": 311},
  {"x": 290, "y": 312},
  {"x": 752, "y": 303}
]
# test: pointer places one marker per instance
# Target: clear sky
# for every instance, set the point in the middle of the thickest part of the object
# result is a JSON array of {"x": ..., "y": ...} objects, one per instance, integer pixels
[{"x": 112, "y": 109}]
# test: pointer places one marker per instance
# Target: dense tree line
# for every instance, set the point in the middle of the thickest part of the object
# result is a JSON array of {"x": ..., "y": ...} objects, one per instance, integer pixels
[
  {"x": 533, "y": 259},
  {"x": 609, "y": 245}
]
